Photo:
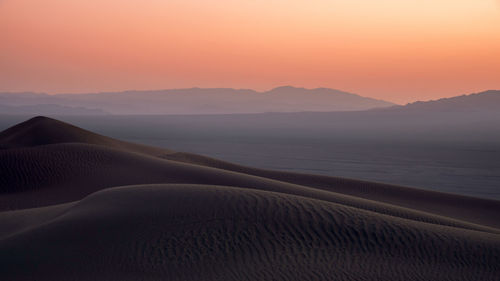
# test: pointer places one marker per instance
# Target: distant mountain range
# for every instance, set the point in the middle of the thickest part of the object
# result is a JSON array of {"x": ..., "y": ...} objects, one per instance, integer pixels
[
  {"x": 484, "y": 101},
  {"x": 285, "y": 99},
  {"x": 193, "y": 101},
  {"x": 48, "y": 109}
]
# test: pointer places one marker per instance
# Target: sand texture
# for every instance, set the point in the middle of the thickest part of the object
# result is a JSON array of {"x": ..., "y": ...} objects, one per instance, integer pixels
[{"x": 75, "y": 205}]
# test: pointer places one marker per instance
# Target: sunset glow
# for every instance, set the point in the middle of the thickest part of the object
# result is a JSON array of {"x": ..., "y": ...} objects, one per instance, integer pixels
[{"x": 398, "y": 50}]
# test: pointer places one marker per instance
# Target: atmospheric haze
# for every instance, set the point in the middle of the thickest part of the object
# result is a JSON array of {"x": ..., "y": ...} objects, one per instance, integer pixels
[{"x": 398, "y": 51}]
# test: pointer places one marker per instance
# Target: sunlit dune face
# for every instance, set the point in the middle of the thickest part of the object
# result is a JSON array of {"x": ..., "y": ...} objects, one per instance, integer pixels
[{"x": 399, "y": 50}]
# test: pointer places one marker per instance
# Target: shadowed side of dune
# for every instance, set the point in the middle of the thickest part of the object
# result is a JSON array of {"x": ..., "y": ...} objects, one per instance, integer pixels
[
  {"x": 68, "y": 172},
  {"x": 189, "y": 232},
  {"x": 60, "y": 168},
  {"x": 446, "y": 204},
  {"x": 205, "y": 219}
]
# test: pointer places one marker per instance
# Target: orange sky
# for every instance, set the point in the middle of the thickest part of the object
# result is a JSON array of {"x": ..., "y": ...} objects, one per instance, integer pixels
[{"x": 398, "y": 50}]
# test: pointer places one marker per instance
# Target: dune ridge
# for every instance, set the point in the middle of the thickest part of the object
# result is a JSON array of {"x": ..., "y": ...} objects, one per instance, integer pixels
[
  {"x": 58, "y": 155},
  {"x": 435, "y": 202},
  {"x": 90, "y": 168},
  {"x": 75, "y": 205}
]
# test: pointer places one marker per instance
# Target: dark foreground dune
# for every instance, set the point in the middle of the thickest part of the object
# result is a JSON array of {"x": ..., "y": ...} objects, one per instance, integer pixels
[{"x": 80, "y": 206}]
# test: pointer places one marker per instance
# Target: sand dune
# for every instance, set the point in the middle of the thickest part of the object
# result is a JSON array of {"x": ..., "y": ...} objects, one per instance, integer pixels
[
  {"x": 80, "y": 206},
  {"x": 42, "y": 130},
  {"x": 477, "y": 209},
  {"x": 191, "y": 232}
]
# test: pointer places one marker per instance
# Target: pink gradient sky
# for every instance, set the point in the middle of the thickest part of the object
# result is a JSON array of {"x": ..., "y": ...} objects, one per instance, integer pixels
[{"x": 397, "y": 50}]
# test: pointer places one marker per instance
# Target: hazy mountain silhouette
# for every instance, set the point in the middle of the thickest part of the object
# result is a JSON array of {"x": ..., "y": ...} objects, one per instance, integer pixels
[
  {"x": 48, "y": 109},
  {"x": 228, "y": 101},
  {"x": 483, "y": 101},
  {"x": 204, "y": 101}
]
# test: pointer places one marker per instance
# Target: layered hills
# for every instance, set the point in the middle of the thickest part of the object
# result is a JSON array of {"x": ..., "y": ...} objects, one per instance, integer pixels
[{"x": 191, "y": 101}]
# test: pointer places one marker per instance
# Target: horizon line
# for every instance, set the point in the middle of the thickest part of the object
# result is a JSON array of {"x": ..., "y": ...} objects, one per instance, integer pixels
[{"x": 237, "y": 89}]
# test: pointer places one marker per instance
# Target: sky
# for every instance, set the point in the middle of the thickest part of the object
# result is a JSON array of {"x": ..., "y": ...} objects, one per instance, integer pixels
[{"x": 397, "y": 50}]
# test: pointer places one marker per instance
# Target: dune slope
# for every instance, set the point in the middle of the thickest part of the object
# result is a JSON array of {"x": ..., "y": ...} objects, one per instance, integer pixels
[
  {"x": 66, "y": 163},
  {"x": 68, "y": 172},
  {"x": 191, "y": 232},
  {"x": 453, "y": 205},
  {"x": 80, "y": 206}
]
